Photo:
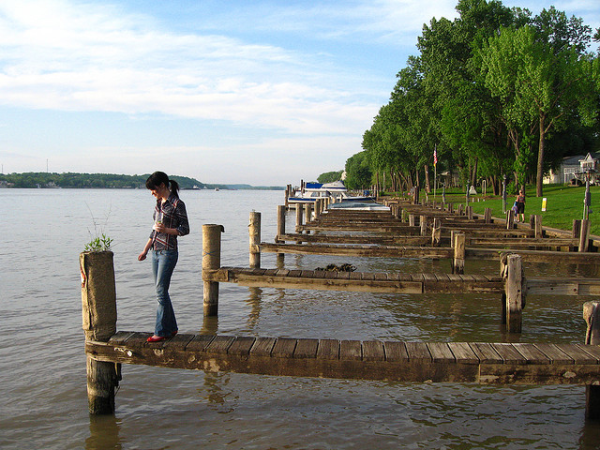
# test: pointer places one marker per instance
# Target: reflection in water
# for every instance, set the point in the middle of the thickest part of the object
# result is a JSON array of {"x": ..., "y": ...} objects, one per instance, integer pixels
[
  {"x": 104, "y": 433},
  {"x": 254, "y": 301}
]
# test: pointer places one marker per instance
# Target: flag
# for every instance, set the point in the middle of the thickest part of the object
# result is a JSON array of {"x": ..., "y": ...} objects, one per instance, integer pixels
[{"x": 435, "y": 156}]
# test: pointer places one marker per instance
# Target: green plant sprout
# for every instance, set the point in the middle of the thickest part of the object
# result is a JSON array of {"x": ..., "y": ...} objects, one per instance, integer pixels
[{"x": 100, "y": 243}]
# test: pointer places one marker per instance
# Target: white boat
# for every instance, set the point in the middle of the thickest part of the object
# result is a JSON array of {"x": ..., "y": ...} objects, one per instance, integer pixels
[
  {"x": 312, "y": 191},
  {"x": 354, "y": 204}
]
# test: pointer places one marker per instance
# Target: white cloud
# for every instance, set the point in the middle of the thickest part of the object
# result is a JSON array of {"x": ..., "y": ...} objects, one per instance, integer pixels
[{"x": 83, "y": 58}]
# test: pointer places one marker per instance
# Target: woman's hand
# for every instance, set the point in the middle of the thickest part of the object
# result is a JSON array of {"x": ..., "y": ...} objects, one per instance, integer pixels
[
  {"x": 142, "y": 256},
  {"x": 160, "y": 228}
]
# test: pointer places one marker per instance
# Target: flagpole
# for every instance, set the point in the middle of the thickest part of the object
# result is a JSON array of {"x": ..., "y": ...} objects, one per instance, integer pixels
[{"x": 434, "y": 170}]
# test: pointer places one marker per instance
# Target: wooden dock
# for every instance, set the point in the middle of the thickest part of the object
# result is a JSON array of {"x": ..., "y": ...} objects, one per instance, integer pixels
[
  {"x": 464, "y": 362},
  {"x": 456, "y": 362}
]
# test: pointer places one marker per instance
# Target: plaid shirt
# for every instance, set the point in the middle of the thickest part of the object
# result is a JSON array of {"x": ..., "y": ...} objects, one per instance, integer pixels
[{"x": 174, "y": 216}]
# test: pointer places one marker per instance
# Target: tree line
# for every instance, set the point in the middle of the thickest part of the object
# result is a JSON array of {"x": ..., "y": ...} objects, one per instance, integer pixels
[
  {"x": 87, "y": 180},
  {"x": 497, "y": 92}
]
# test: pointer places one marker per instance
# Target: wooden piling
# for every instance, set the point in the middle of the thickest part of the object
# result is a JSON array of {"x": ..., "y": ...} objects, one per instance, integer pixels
[
  {"x": 515, "y": 293},
  {"x": 584, "y": 236},
  {"x": 458, "y": 244},
  {"x": 436, "y": 232},
  {"x": 299, "y": 214},
  {"x": 591, "y": 314},
  {"x": 488, "y": 215},
  {"x": 537, "y": 226},
  {"x": 254, "y": 232},
  {"x": 99, "y": 313},
  {"x": 510, "y": 219},
  {"x": 211, "y": 261},
  {"x": 308, "y": 212},
  {"x": 423, "y": 224},
  {"x": 280, "y": 230}
]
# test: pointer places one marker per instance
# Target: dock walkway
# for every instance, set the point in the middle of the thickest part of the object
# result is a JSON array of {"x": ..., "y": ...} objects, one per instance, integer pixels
[{"x": 485, "y": 363}]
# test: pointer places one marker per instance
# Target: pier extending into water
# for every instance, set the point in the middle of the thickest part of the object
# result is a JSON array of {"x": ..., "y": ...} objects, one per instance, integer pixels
[{"x": 466, "y": 362}]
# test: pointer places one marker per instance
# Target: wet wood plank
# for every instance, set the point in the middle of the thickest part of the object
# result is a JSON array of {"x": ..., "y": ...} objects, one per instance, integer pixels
[
  {"x": 263, "y": 346},
  {"x": 395, "y": 351},
  {"x": 306, "y": 348},
  {"x": 350, "y": 350},
  {"x": 284, "y": 348},
  {"x": 328, "y": 349},
  {"x": 241, "y": 346},
  {"x": 373, "y": 351}
]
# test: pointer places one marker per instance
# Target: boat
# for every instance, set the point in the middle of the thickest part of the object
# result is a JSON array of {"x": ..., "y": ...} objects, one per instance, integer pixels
[
  {"x": 354, "y": 204},
  {"x": 336, "y": 191}
]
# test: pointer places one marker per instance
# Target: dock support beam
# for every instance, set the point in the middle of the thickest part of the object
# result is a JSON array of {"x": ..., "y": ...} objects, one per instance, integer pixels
[
  {"x": 211, "y": 261},
  {"x": 591, "y": 314},
  {"x": 99, "y": 313},
  {"x": 514, "y": 293},
  {"x": 458, "y": 244},
  {"x": 281, "y": 230},
  {"x": 299, "y": 212},
  {"x": 254, "y": 231}
]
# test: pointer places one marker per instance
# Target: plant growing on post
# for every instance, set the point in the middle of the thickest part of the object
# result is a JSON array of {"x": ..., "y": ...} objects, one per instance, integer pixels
[{"x": 100, "y": 243}]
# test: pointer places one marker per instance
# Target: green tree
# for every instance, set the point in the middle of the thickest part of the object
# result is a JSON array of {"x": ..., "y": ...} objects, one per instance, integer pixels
[
  {"x": 329, "y": 177},
  {"x": 541, "y": 86},
  {"x": 358, "y": 172}
]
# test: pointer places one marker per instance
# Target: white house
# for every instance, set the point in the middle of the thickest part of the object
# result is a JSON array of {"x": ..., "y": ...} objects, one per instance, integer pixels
[{"x": 575, "y": 168}]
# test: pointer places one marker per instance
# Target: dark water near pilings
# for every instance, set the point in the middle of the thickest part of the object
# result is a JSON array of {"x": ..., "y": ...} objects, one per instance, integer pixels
[{"x": 42, "y": 362}]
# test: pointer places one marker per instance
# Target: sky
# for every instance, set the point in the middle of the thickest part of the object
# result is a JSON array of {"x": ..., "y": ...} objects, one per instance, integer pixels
[{"x": 260, "y": 92}]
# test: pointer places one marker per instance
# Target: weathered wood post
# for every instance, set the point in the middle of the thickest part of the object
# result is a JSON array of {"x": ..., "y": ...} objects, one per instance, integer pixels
[
  {"x": 299, "y": 211},
  {"x": 317, "y": 211},
  {"x": 458, "y": 244},
  {"x": 576, "y": 228},
  {"x": 404, "y": 216},
  {"x": 591, "y": 314},
  {"x": 469, "y": 212},
  {"x": 280, "y": 231},
  {"x": 411, "y": 220},
  {"x": 436, "y": 232},
  {"x": 537, "y": 226},
  {"x": 510, "y": 219},
  {"x": 423, "y": 224},
  {"x": 461, "y": 209},
  {"x": 307, "y": 213},
  {"x": 254, "y": 232},
  {"x": 288, "y": 194},
  {"x": 514, "y": 289},
  {"x": 584, "y": 236},
  {"x": 211, "y": 261},
  {"x": 451, "y": 208},
  {"x": 487, "y": 215},
  {"x": 99, "y": 314}
]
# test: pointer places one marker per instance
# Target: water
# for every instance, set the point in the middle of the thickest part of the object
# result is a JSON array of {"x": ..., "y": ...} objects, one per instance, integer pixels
[{"x": 42, "y": 361}]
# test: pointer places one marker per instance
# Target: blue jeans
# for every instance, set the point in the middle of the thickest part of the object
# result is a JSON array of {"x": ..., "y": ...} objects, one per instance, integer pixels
[{"x": 163, "y": 264}]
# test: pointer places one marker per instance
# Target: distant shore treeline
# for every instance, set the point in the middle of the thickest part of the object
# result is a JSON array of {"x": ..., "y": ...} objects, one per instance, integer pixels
[{"x": 105, "y": 181}]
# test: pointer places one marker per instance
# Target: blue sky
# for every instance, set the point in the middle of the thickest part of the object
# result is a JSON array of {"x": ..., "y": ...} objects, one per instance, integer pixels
[{"x": 258, "y": 92}]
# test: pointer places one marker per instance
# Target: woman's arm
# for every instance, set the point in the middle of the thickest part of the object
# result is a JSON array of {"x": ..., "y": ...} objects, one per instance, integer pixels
[{"x": 142, "y": 256}]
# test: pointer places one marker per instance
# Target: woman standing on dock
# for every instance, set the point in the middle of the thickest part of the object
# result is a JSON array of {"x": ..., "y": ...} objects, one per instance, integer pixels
[
  {"x": 520, "y": 203},
  {"x": 170, "y": 221}
]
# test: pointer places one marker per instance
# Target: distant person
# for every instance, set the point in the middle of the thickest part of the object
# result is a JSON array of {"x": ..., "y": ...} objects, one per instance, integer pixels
[
  {"x": 170, "y": 221},
  {"x": 520, "y": 203}
]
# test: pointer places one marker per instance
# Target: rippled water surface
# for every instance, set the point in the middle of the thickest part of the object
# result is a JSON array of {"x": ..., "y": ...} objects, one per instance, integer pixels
[{"x": 42, "y": 361}]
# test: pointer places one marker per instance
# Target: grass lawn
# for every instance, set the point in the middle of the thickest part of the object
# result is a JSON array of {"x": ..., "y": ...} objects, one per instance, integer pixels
[{"x": 564, "y": 203}]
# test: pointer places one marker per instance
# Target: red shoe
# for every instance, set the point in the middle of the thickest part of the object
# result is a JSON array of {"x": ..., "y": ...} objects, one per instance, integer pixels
[
  {"x": 174, "y": 333},
  {"x": 156, "y": 338}
]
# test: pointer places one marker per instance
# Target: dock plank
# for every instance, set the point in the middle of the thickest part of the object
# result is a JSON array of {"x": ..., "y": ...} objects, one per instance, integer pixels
[
  {"x": 350, "y": 350},
  {"x": 328, "y": 349}
]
